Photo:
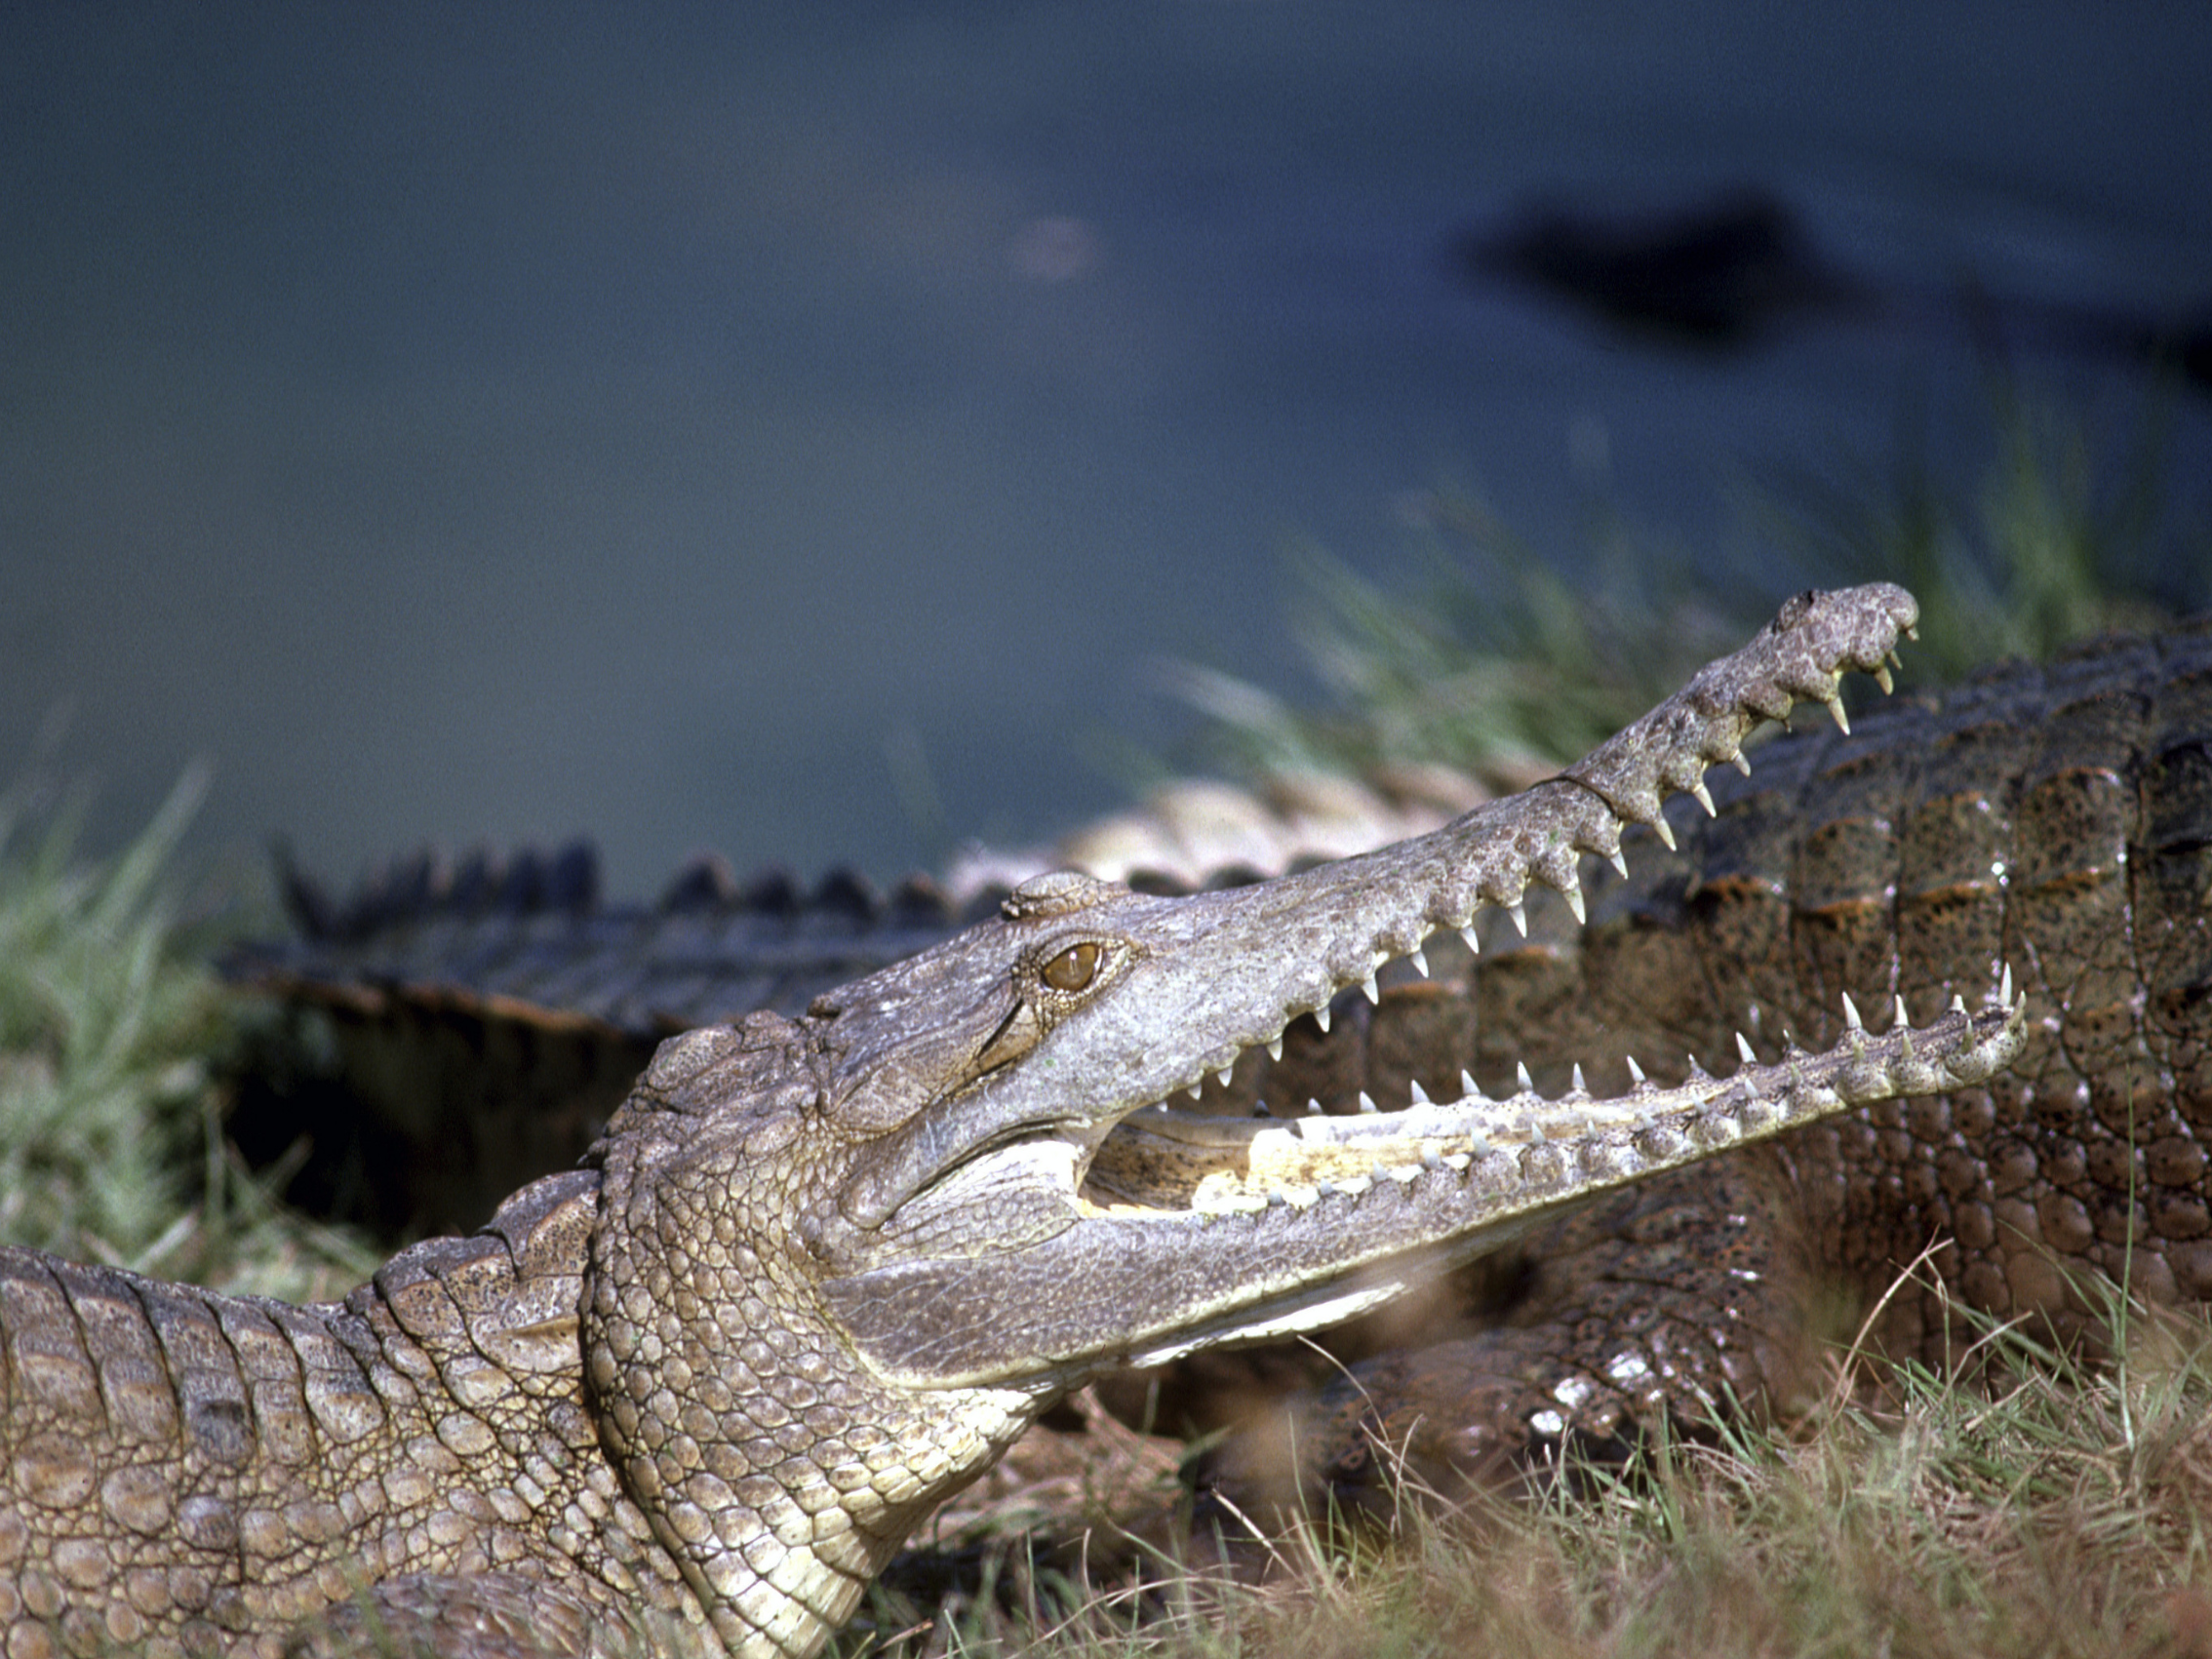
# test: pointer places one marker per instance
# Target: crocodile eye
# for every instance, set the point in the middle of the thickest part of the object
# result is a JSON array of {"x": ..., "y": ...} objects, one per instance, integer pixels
[{"x": 1074, "y": 969}]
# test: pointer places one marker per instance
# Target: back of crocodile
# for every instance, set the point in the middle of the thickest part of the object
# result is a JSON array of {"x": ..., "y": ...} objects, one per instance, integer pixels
[{"x": 2057, "y": 819}]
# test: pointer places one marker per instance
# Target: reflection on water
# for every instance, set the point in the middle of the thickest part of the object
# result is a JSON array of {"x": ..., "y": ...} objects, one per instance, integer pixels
[{"x": 720, "y": 430}]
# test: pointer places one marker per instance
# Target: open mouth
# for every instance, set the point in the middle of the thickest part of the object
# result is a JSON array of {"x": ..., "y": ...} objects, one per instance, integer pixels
[{"x": 1164, "y": 1158}]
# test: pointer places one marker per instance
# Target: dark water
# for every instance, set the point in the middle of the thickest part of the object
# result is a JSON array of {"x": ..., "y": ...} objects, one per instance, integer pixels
[{"x": 476, "y": 424}]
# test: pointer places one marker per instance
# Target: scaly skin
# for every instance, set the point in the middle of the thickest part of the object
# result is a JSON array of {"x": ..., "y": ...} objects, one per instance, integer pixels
[{"x": 822, "y": 1271}]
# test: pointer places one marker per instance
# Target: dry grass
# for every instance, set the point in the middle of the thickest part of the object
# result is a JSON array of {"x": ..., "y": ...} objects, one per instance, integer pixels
[{"x": 2056, "y": 1510}]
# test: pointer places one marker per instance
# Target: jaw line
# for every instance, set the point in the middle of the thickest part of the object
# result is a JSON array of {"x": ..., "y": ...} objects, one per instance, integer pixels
[{"x": 1306, "y": 1220}]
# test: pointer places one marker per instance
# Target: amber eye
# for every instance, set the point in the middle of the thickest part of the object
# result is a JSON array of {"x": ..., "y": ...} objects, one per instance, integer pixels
[{"x": 1073, "y": 969}]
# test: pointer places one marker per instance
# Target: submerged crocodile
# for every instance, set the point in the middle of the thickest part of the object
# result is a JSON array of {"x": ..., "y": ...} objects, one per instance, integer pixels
[
  {"x": 820, "y": 1270},
  {"x": 2057, "y": 816}
]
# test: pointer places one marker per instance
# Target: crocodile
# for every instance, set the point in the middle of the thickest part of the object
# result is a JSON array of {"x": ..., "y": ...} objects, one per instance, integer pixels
[
  {"x": 819, "y": 1272},
  {"x": 2059, "y": 816}
]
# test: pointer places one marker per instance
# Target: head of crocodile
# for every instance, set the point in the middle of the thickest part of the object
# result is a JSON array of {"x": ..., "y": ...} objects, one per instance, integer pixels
[{"x": 841, "y": 1261}]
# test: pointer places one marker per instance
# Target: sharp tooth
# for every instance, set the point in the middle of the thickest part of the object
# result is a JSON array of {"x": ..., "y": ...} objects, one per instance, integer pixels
[
  {"x": 1743, "y": 1048},
  {"x": 1843, "y": 720},
  {"x": 1473, "y": 945},
  {"x": 1366, "y": 1102},
  {"x": 1635, "y": 1072},
  {"x": 1321, "y": 1018},
  {"x": 1420, "y": 960},
  {"x": 1275, "y": 1047},
  {"x": 1528, "y": 1082},
  {"x": 1519, "y": 914},
  {"x": 1368, "y": 985},
  {"x": 1958, "y": 1003},
  {"x": 1313, "y": 1109},
  {"x": 1573, "y": 896},
  {"x": 1852, "y": 1020},
  {"x": 1467, "y": 1088},
  {"x": 2005, "y": 994},
  {"x": 1223, "y": 1075},
  {"x": 1259, "y": 1110},
  {"x": 1195, "y": 1087},
  {"x": 1882, "y": 677},
  {"x": 1699, "y": 794},
  {"x": 1740, "y": 761},
  {"x": 1903, "y": 1020},
  {"x": 1619, "y": 861},
  {"x": 1420, "y": 1094},
  {"x": 1663, "y": 831},
  {"x": 1580, "y": 1088}
]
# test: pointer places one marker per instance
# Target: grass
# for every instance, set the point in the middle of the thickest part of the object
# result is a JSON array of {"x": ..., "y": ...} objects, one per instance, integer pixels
[
  {"x": 1494, "y": 666},
  {"x": 112, "y": 1032},
  {"x": 2058, "y": 542}
]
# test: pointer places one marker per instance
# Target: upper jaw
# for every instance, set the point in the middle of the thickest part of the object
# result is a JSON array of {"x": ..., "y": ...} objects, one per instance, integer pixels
[{"x": 1223, "y": 973}]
